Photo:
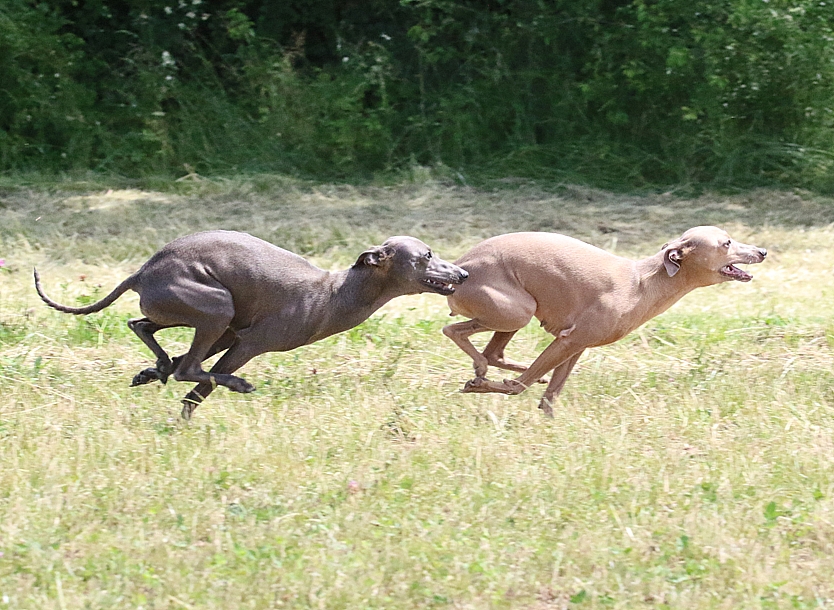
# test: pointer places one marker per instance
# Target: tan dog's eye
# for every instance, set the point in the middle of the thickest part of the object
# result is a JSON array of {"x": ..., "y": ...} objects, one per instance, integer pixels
[{"x": 727, "y": 243}]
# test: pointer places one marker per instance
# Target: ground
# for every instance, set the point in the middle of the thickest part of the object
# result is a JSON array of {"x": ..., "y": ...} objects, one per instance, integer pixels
[{"x": 687, "y": 466}]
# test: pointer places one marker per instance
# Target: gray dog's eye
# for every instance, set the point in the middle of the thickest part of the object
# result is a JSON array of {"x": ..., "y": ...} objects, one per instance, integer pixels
[{"x": 428, "y": 255}]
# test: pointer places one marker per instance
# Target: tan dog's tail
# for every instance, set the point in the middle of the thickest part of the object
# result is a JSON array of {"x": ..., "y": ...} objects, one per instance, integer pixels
[{"x": 80, "y": 311}]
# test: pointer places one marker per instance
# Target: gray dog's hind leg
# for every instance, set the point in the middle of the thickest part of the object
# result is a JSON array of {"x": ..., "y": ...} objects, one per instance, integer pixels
[
  {"x": 144, "y": 329},
  {"x": 210, "y": 317},
  {"x": 238, "y": 355},
  {"x": 223, "y": 343}
]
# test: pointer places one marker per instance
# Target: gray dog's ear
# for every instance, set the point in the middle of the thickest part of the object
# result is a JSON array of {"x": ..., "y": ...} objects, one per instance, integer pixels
[{"x": 373, "y": 256}]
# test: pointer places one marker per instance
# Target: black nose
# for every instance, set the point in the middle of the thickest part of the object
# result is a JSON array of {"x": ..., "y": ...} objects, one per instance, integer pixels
[
  {"x": 464, "y": 274},
  {"x": 763, "y": 252}
]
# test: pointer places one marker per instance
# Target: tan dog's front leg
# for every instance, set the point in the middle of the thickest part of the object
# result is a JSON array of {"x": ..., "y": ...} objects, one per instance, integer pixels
[
  {"x": 556, "y": 354},
  {"x": 557, "y": 382},
  {"x": 494, "y": 353}
]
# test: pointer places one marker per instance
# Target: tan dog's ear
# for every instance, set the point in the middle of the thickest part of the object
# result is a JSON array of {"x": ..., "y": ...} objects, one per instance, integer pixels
[
  {"x": 673, "y": 253},
  {"x": 672, "y": 260},
  {"x": 373, "y": 256}
]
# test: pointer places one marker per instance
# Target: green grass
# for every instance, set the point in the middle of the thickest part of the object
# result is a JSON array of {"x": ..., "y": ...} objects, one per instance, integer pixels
[{"x": 687, "y": 466}]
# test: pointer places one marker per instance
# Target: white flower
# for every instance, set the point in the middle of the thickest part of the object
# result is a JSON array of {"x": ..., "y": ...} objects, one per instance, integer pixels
[
  {"x": 344, "y": 61},
  {"x": 385, "y": 36},
  {"x": 168, "y": 10}
]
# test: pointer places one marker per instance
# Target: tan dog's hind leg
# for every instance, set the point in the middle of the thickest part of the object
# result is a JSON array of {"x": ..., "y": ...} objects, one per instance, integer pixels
[{"x": 460, "y": 333}]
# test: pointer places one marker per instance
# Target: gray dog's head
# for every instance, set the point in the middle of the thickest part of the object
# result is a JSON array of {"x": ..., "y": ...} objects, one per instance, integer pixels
[{"x": 411, "y": 265}]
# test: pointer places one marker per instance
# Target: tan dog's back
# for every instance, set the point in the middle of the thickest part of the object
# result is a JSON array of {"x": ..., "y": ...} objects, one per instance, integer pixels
[{"x": 517, "y": 276}]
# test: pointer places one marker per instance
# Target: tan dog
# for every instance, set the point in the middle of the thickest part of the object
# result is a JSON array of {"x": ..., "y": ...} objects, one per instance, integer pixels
[{"x": 584, "y": 296}]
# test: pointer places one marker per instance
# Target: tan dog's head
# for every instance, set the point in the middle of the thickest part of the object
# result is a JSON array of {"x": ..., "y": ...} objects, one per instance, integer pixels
[{"x": 709, "y": 255}]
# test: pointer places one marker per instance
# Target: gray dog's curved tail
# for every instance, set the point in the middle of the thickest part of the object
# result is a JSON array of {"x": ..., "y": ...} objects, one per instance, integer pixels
[{"x": 80, "y": 311}]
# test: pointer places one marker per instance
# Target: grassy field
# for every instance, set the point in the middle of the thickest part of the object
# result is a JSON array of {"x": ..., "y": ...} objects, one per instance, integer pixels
[{"x": 687, "y": 466}]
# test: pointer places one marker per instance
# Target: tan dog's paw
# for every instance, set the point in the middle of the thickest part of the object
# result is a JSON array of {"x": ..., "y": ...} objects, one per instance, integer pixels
[
  {"x": 547, "y": 407},
  {"x": 482, "y": 385},
  {"x": 513, "y": 387},
  {"x": 472, "y": 385}
]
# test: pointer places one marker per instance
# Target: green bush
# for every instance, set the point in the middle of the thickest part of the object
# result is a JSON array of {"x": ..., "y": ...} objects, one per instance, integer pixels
[
  {"x": 44, "y": 107},
  {"x": 736, "y": 92}
]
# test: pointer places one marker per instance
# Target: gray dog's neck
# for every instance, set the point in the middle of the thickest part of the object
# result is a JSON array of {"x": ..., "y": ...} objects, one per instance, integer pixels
[{"x": 352, "y": 296}]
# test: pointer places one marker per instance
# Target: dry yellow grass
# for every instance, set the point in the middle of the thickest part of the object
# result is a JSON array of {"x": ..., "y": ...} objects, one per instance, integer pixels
[{"x": 688, "y": 466}]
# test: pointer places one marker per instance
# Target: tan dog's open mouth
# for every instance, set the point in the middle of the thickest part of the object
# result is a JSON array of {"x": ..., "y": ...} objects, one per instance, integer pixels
[{"x": 734, "y": 273}]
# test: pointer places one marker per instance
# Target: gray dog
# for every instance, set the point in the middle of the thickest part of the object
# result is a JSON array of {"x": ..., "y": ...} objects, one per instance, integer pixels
[{"x": 247, "y": 297}]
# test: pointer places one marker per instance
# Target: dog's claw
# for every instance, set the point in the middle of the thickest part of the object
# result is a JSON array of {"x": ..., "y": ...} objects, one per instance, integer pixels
[{"x": 547, "y": 408}]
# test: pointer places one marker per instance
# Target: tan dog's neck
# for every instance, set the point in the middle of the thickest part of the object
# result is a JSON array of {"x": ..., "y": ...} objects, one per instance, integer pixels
[{"x": 655, "y": 290}]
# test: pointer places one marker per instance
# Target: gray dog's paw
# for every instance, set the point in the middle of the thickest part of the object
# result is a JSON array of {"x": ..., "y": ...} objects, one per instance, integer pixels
[
  {"x": 241, "y": 385},
  {"x": 143, "y": 377},
  {"x": 188, "y": 406}
]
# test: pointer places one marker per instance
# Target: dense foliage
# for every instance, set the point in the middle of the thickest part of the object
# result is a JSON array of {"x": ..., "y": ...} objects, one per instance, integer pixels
[{"x": 631, "y": 92}]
